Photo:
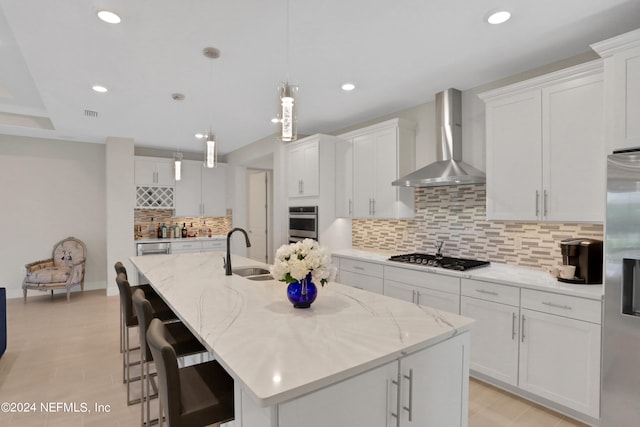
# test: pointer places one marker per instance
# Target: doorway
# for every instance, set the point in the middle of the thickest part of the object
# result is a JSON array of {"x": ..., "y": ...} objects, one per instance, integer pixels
[{"x": 258, "y": 213}]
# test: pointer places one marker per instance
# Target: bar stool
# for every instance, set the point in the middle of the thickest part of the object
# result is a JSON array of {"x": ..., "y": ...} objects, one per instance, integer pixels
[
  {"x": 197, "y": 395},
  {"x": 148, "y": 291},
  {"x": 162, "y": 311},
  {"x": 177, "y": 335}
]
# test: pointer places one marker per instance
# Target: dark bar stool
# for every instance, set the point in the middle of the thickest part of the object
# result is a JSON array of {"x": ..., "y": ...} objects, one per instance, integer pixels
[
  {"x": 162, "y": 312},
  {"x": 177, "y": 335},
  {"x": 197, "y": 395}
]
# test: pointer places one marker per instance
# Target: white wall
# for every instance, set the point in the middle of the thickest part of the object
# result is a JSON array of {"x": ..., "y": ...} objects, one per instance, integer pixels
[
  {"x": 120, "y": 203},
  {"x": 50, "y": 190}
]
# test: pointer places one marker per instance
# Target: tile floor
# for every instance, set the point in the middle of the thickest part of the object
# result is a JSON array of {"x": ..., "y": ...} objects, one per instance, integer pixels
[{"x": 61, "y": 352}]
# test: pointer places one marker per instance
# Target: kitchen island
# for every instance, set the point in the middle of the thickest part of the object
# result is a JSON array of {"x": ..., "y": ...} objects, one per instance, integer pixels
[{"x": 354, "y": 358}]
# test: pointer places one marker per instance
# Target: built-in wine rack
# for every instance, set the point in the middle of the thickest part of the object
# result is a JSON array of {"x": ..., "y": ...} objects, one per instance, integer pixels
[{"x": 154, "y": 197}]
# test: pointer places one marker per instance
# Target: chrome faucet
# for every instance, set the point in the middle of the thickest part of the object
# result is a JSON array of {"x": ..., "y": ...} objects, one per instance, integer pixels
[{"x": 227, "y": 264}]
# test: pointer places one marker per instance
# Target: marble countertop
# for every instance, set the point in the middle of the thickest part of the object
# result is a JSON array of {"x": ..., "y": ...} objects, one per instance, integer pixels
[
  {"x": 496, "y": 272},
  {"x": 277, "y": 352}
]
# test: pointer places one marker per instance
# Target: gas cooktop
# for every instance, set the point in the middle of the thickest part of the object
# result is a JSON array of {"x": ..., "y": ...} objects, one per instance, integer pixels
[{"x": 459, "y": 264}]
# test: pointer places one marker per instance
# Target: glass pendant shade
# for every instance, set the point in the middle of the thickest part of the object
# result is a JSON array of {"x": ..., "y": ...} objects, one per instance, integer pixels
[
  {"x": 288, "y": 117},
  {"x": 177, "y": 166},
  {"x": 211, "y": 151}
]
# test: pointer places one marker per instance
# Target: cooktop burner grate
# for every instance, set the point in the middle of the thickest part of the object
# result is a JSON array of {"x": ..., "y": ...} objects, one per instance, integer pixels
[{"x": 460, "y": 264}]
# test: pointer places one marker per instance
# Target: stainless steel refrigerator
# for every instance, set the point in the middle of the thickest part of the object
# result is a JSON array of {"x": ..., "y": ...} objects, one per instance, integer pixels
[{"x": 621, "y": 322}]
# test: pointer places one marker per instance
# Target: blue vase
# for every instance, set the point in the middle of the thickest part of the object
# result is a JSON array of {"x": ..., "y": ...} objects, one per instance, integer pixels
[{"x": 302, "y": 293}]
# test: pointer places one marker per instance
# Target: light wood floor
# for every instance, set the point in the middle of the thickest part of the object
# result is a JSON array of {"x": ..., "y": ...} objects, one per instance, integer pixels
[{"x": 61, "y": 352}]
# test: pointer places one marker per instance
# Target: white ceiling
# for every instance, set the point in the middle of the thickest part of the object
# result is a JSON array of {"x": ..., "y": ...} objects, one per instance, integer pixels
[{"x": 399, "y": 53}]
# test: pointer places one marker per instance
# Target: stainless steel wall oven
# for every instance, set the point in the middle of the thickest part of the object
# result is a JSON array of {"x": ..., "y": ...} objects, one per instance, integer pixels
[{"x": 303, "y": 223}]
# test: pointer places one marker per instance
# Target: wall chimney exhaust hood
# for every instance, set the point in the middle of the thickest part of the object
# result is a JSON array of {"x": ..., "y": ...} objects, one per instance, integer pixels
[{"x": 449, "y": 169}]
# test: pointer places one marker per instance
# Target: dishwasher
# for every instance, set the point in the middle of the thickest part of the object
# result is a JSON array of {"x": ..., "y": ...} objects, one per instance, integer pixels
[{"x": 151, "y": 248}]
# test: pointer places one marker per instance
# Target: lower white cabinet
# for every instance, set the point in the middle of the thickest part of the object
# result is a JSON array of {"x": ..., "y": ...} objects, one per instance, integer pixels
[
  {"x": 427, "y": 388},
  {"x": 361, "y": 275},
  {"x": 494, "y": 339},
  {"x": 197, "y": 246},
  {"x": 420, "y": 287},
  {"x": 539, "y": 342},
  {"x": 560, "y": 354}
]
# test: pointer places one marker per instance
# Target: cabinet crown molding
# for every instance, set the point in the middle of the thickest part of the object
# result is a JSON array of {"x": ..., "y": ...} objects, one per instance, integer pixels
[
  {"x": 581, "y": 70},
  {"x": 397, "y": 122},
  {"x": 617, "y": 44}
]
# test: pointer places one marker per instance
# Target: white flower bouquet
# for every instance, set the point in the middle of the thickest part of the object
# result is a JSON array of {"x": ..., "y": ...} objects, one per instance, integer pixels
[{"x": 296, "y": 261}]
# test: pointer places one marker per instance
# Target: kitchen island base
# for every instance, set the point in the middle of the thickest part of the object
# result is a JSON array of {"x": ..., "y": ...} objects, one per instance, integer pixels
[{"x": 429, "y": 387}]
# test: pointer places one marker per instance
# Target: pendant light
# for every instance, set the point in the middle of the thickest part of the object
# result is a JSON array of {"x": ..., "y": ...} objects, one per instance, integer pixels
[
  {"x": 177, "y": 166},
  {"x": 288, "y": 92},
  {"x": 211, "y": 148}
]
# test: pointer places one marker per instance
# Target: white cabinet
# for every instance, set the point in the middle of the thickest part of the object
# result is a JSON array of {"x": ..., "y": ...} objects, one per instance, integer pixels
[
  {"x": 188, "y": 247},
  {"x": 153, "y": 171},
  {"x": 435, "y": 385},
  {"x": 560, "y": 350},
  {"x": 201, "y": 192},
  {"x": 427, "y": 388},
  {"x": 622, "y": 77},
  {"x": 198, "y": 246},
  {"x": 361, "y": 275},
  {"x": 495, "y": 335},
  {"x": 542, "y": 343},
  {"x": 344, "y": 179},
  {"x": 303, "y": 168},
  {"x": 546, "y": 147},
  {"x": 420, "y": 287},
  {"x": 381, "y": 154}
]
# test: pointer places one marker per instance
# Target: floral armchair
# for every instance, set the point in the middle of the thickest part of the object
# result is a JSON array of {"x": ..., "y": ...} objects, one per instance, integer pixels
[{"x": 64, "y": 270}]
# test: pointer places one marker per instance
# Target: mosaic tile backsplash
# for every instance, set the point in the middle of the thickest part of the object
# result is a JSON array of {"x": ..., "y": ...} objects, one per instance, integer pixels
[
  {"x": 457, "y": 215},
  {"x": 148, "y": 220}
]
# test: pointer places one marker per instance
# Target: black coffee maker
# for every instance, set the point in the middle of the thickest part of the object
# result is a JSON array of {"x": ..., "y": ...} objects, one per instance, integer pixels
[{"x": 586, "y": 255}]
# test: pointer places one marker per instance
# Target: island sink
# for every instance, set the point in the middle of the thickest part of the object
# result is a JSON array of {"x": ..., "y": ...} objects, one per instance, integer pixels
[{"x": 249, "y": 271}]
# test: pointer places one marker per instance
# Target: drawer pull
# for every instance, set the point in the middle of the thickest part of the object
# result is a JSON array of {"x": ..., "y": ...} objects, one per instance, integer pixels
[
  {"x": 513, "y": 326},
  {"x": 564, "y": 307},
  {"x": 355, "y": 267},
  {"x": 482, "y": 291}
]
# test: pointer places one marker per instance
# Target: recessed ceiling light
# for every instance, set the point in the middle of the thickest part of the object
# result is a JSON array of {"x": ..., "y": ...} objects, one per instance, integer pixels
[
  {"x": 109, "y": 17},
  {"x": 499, "y": 17},
  {"x": 99, "y": 89},
  {"x": 347, "y": 87}
]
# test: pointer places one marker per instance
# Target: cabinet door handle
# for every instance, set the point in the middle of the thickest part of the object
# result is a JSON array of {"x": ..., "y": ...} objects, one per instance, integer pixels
[
  {"x": 373, "y": 209},
  {"x": 350, "y": 207},
  {"x": 522, "y": 334},
  {"x": 396, "y": 415},
  {"x": 301, "y": 186},
  {"x": 513, "y": 326},
  {"x": 409, "y": 408},
  {"x": 482, "y": 291},
  {"x": 551, "y": 304},
  {"x": 357, "y": 267},
  {"x": 413, "y": 296},
  {"x": 537, "y": 203},
  {"x": 369, "y": 206},
  {"x": 418, "y": 297},
  {"x": 545, "y": 202}
]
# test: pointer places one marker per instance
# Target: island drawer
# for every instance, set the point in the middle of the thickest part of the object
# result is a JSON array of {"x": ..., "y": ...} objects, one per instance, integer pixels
[
  {"x": 185, "y": 247},
  {"x": 490, "y": 291},
  {"x": 361, "y": 267},
  {"x": 423, "y": 279},
  {"x": 562, "y": 305}
]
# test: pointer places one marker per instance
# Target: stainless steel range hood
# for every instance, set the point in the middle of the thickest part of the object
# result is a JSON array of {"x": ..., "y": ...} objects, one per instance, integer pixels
[{"x": 449, "y": 169}]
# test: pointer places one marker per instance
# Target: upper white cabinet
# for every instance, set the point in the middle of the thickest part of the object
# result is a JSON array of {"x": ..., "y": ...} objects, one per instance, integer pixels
[
  {"x": 381, "y": 154},
  {"x": 153, "y": 171},
  {"x": 622, "y": 77},
  {"x": 303, "y": 168},
  {"x": 344, "y": 179},
  {"x": 202, "y": 191},
  {"x": 546, "y": 147}
]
